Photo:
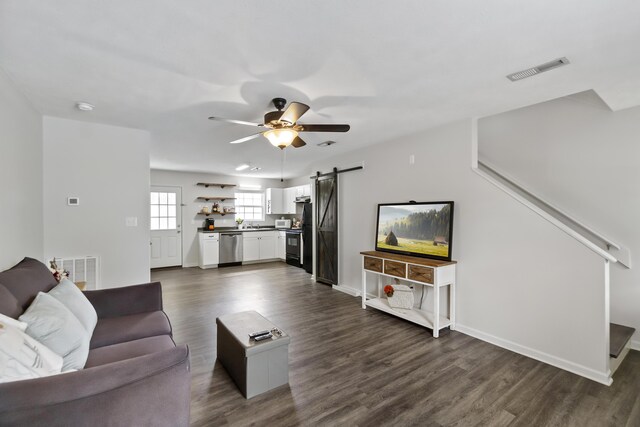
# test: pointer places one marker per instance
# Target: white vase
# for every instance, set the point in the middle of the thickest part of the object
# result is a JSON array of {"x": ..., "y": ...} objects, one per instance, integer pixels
[{"x": 402, "y": 297}]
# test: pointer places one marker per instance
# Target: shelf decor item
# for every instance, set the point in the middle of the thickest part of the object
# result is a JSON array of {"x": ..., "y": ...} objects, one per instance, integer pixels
[{"x": 401, "y": 296}]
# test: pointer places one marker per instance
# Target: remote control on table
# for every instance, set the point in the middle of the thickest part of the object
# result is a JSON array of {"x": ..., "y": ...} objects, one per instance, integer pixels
[
  {"x": 263, "y": 337},
  {"x": 257, "y": 334}
]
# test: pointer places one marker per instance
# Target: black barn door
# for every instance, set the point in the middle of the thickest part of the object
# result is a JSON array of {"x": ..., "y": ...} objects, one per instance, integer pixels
[{"x": 327, "y": 229}]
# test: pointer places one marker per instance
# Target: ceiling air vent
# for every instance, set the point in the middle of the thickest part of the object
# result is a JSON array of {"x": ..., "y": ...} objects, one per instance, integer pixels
[{"x": 538, "y": 69}]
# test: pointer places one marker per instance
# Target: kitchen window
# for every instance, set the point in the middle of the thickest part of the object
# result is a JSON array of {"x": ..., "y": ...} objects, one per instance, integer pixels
[{"x": 250, "y": 206}]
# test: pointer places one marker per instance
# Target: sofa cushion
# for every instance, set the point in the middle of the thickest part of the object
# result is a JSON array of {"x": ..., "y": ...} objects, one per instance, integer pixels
[
  {"x": 71, "y": 297},
  {"x": 114, "y": 330},
  {"x": 9, "y": 304},
  {"x": 22, "y": 357},
  {"x": 51, "y": 323},
  {"x": 128, "y": 350},
  {"x": 26, "y": 279}
]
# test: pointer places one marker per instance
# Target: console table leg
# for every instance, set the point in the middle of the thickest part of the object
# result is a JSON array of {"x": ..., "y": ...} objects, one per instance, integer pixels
[
  {"x": 452, "y": 306},
  {"x": 436, "y": 311},
  {"x": 364, "y": 285}
]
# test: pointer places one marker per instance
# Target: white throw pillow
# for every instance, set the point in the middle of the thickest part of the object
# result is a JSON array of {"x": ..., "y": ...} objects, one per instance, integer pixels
[
  {"x": 68, "y": 294},
  {"x": 53, "y": 325},
  {"x": 12, "y": 322},
  {"x": 23, "y": 358}
]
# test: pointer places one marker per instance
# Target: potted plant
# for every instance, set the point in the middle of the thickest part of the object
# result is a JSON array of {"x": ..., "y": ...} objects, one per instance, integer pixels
[{"x": 239, "y": 221}]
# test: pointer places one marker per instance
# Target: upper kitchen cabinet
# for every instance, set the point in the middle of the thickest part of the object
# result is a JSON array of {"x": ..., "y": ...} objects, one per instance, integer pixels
[
  {"x": 274, "y": 199},
  {"x": 289, "y": 203},
  {"x": 283, "y": 200}
]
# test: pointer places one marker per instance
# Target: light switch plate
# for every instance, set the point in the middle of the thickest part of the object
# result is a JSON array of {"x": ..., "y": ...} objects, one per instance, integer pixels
[{"x": 131, "y": 221}]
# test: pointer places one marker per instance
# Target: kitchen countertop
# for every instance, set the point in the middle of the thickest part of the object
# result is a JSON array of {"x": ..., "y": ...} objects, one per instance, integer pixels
[{"x": 244, "y": 230}]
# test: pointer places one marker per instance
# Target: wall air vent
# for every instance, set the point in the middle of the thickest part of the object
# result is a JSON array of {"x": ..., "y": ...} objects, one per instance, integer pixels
[{"x": 538, "y": 69}]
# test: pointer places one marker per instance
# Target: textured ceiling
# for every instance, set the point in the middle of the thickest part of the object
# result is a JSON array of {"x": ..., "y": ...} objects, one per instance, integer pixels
[{"x": 387, "y": 68}]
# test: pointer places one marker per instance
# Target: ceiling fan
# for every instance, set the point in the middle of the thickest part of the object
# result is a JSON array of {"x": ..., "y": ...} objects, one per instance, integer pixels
[{"x": 283, "y": 127}]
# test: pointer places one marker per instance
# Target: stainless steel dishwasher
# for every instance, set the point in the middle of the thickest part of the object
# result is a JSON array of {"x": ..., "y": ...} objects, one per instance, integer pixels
[{"x": 230, "y": 248}]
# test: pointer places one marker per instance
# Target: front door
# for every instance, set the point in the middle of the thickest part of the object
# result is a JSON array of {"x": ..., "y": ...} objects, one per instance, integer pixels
[{"x": 166, "y": 223}]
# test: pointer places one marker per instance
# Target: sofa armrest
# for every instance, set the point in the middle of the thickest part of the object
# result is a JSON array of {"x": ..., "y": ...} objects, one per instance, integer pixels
[
  {"x": 116, "y": 302},
  {"x": 146, "y": 390}
]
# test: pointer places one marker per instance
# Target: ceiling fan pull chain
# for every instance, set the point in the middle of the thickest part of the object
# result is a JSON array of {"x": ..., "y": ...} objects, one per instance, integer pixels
[{"x": 284, "y": 154}]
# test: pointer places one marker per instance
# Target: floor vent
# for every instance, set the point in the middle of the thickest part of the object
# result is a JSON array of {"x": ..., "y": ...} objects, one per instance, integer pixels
[
  {"x": 82, "y": 269},
  {"x": 538, "y": 69}
]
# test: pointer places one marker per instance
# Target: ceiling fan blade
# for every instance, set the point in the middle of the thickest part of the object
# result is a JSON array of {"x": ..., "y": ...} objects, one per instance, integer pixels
[
  {"x": 324, "y": 128},
  {"x": 246, "y": 138},
  {"x": 294, "y": 111},
  {"x": 298, "y": 142},
  {"x": 238, "y": 122}
]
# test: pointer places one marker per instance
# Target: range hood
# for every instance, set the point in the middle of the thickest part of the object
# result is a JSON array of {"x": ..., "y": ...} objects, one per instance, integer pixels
[{"x": 303, "y": 199}]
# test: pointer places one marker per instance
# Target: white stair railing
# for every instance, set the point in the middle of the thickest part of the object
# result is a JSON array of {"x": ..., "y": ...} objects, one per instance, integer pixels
[{"x": 596, "y": 241}]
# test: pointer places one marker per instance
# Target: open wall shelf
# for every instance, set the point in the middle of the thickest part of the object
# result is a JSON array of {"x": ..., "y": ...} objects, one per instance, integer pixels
[
  {"x": 222, "y": 199},
  {"x": 214, "y": 184},
  {"x": 216, "y": 213}
]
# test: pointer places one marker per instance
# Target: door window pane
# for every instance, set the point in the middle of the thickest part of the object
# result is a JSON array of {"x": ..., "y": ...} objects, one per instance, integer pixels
[{"x": 163, "y": 211}]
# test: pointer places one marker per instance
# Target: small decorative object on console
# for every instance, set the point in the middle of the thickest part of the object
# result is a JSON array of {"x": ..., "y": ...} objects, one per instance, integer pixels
[
  {"x": 388, "y": 290},
  {"x": 58, "y": 273},
  {"x": 401, "y": 296}
]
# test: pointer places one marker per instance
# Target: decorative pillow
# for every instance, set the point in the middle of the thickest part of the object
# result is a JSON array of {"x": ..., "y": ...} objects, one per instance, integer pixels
[
  {"x": 10, "y": 321},
  {"x": 23, "y": 358},
  {"x": 68, "y": 294},
  {"x": 53, "y": 325},
  {"x": 9, "y": 304}
]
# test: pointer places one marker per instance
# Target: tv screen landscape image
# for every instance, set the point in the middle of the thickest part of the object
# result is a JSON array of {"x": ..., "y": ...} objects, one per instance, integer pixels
[{"x": 420, "y": 229}]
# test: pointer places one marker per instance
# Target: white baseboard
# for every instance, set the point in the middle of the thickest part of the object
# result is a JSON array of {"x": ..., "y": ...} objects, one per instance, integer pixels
[
  {"x": 635, "y": 345},
  {"x": 347, "y": 290},
  {"x": 600, "y": 377},
  {"x": 189, "y": 265}
]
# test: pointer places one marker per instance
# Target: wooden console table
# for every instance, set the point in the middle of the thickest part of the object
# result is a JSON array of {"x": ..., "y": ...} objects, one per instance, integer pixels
[{"x": 421, "y": 271}]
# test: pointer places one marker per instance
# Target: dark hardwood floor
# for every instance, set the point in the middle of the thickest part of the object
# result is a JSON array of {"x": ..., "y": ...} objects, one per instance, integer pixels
[{"x": 354, "y": 367}]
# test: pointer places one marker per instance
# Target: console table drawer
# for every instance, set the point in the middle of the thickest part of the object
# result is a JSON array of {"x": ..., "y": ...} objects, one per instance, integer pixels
[
  {"x": 420, "y": 273},
  {"x": 373, "y": 264},
  {"x": 392, "y": 268}
]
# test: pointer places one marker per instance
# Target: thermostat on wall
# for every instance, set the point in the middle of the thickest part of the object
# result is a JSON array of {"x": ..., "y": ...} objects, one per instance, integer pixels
[{"x": 73, "y": 201}]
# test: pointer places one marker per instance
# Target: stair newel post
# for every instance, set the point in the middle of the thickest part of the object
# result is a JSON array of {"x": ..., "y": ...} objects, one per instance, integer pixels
[{"x": 607, "y": 318}]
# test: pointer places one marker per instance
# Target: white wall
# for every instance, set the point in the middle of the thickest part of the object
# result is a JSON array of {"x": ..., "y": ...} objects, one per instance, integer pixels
[
  {"x": 21, "y": 216},
  {"x": 107, "y": 167},
  {"x": 190, "y": 192},
  {"x": 521, "y": 282},
  {"x": 582, "y": 157}
]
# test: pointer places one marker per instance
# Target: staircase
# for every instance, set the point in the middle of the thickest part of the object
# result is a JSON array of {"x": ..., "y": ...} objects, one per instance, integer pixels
[
  {"x": 619, "y": 344},
  {"x": 610, "y": 251}
]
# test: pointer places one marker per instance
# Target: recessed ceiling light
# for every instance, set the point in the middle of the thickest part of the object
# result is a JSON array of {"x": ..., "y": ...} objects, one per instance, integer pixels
[
  {"x": 242, "y": 167},
  {"x": 85, "y": 106},
  {"x": 256, "y": 168},
  {"x": 326, "y": 143}
]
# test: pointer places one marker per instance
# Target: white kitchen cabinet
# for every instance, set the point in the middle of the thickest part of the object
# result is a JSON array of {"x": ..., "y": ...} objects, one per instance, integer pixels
[
  {"x": 289, "y": 202},
  {"x": 267, "y": 247},
  {"x": 258, "y": 245},
  {"x": 306, "y": 190},
  {"x": 250, "y": 248},
  {"x": 274, "y": 199},
  {"x": 209, "y": 250},
  {"x": 281, "y": 246}
]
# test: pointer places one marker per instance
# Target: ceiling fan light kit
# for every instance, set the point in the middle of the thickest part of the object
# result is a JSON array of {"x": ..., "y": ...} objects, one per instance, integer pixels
[
  {"x": 281, "y": 138},
  {"x": 282, "y": 127}
]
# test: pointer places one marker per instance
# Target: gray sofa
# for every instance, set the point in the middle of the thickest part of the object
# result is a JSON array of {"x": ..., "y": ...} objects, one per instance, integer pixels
[{"x": 135, "y": 374}]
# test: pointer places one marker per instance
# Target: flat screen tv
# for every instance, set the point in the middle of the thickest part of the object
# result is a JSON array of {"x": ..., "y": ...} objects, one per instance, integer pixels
[{"x": 419, "y": 229}]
